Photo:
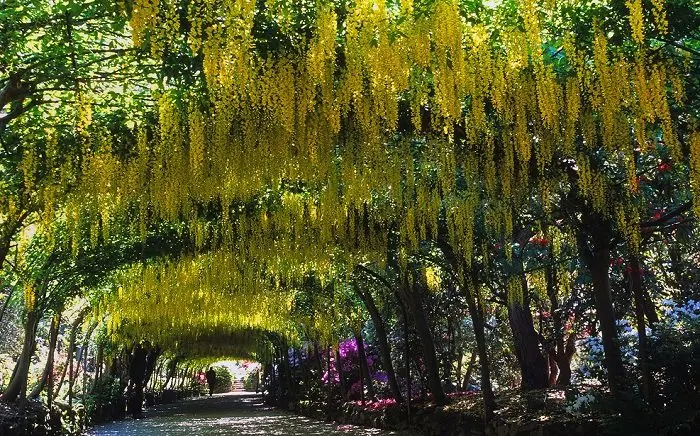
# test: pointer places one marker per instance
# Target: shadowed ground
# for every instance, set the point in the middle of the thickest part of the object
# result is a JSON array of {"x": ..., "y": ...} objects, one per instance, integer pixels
[{"x": 226, "y": 414}]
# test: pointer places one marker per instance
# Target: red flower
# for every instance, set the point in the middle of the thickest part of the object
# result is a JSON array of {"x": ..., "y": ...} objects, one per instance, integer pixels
[
  {"x": 542, "y": 242},
  {"x": 617, "y": 261},
  {"x": 663, "y": 167}
]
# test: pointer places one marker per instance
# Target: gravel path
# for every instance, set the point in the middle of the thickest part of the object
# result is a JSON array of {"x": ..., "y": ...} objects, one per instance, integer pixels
[{"x": 226, "y": 414}]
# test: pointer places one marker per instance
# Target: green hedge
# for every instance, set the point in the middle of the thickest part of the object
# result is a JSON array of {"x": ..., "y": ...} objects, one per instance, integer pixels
[{"x": 224, "y": 380}]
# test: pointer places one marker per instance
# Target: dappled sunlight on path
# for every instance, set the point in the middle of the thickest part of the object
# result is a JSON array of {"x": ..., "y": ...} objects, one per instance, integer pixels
[{"x": 226, "y": 414}]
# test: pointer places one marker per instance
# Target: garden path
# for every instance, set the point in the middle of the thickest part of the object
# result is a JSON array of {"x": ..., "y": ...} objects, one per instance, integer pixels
[{"x": 234, "y": 413}]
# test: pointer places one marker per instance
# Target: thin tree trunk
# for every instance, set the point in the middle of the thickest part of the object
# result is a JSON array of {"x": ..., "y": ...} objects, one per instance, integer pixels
[
  {"x": 6, "y": 303},
  {"x": 470, "y": 287},
  {"x": 15, "y": 370},
  {"x": 458, "y": 374},
  {"x": 415, "y": 305},
  {"x": 553, "y": 370},
  {"x": 594, "y": 242},
  {"x": 477, "y": 315},
  {"x": 71, "y": 378},
  {"x": 564, "y": 349},
  {"x": 172, "y": 369},
  {"x": 451, "y": 357},
  {"x": 635, "y": 279},
  {"x": 17, "y": 388},
  {"x": 598, "y": 264},
  {"x": 49, "y": 390},
  {"x": 84, "y": 387},
  {"x": 98, "y": 365},
  {"x": 381, "y": 335},
  {"x": 317, "y": 355},
  {"x": 364, "y": 367},
  {"x": 5, "y": 242},
  {"x": 82, "y": 357},
  {"x": 71, "y": 349},
  {"x": 362, "y": 379},
  {"x": 328, "y": 366},
  {"x": 155, "y": 375},
  {"x": 470, "y": 369},
  {"x": 48, "y": 368},
  {"x": 341, "y": 379},
  {"x": 407, "y": 358},
  {"x": 649, "y": 309}
]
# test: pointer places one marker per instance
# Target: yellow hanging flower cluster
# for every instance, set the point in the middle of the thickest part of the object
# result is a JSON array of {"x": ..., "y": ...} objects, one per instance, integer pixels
[
  {"x": 143, "y": 15},
  {"x": 306, "y": 139},
  {"x": 29, "y": 297},
  {"x": 695, "y": 170}
]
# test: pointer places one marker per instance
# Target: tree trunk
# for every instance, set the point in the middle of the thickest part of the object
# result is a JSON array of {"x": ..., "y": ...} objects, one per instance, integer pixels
[
  {"x": 71, "y": 348},
  {"x": 553, "y": 370},
  {"x": 82, "y": 357},
  {"x": 17, "y": 388},
  {"x": 635, "y": 280},
  {"x": 564, "y": 361},
  {"x": 151, "y": 362},
  {"x": 407, "y": 357},
  {"x": 341, "y": 379},
  {"x": 84, "y": 350},
  {"x": 329, "y": 368},
  {"x": 13, "y": 223},
  {"x": 71, "y": 378},
  {"x": 364, "y": 367},
  {"x": 4, "y": 249},
  {"x": 470, "y": 287},
  {"x": 598, "y": 264},
  {"x": 415, "y": 305},
  {"x": 477, "y": 315},
  {"x": 470, "y": 369},
  {"x": 317, "y": 356},
  {"x": 458, "y": 371},
  {"x": 6, "y": 303},
  {"x": 48, "y": 368},
  {"x": 649, "y": 309},
  {"x": 172, "y": 369},
  {"x": 384, "y": 348},
  {"x": 563, "y": 349},
  {"x": 533, "y": 364},
  {"x": 98, "y": 365}
]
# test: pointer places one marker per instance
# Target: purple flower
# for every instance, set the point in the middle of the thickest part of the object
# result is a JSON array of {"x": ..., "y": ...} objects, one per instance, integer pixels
[{"x": 381, "y": 376}]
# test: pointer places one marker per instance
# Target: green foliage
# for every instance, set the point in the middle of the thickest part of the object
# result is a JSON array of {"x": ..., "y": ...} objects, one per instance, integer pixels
[
  {"x": 224, "y": 379},
  {"x": 107, "y": 394},
  {"x": 675, "y": 364},
  {"x": 250, "y": 382}
]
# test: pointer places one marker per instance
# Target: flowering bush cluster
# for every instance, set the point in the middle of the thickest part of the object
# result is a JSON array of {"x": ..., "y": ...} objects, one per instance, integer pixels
[
  {"x": 679, "y": 318},
  {"x": 377, "y": 405},
  {"x": 679, "y": 315},
  {"x": 581, "y": 403},
  {"x": 592, "y": 355},
  {"x": 350, "y": 368}
]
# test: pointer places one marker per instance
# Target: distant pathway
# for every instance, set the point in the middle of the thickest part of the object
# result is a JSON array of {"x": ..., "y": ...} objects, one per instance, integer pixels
[{"x": 225, "y": 414}]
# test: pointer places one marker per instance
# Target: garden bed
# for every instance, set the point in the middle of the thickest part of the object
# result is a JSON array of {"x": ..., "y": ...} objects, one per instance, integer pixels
[
  {"x": 538, "y": 412},
  {"x": 553, "y": 412},
  {"x": 33, "y": 418}
]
